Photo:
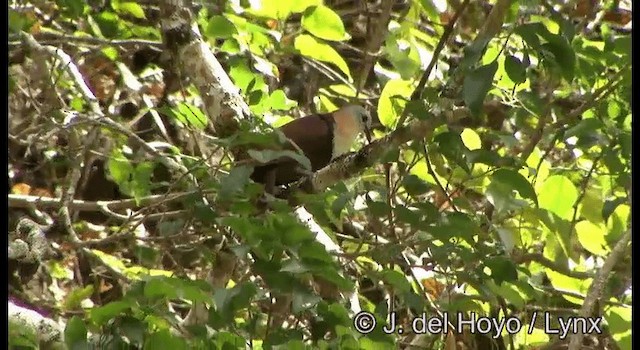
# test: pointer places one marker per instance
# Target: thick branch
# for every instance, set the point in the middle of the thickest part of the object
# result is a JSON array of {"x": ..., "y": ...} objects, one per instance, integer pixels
[
  {"x": 597, "y": 286},
  {"x": 221, "y": 98},
  {"x": 355, "y": 163},
  {"x": 47, "y": 331}
]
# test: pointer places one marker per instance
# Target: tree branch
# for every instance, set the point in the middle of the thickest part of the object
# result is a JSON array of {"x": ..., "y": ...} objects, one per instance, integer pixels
[
  {"x": 597, "y": 286},
  {"x": 354, "y": 163}
]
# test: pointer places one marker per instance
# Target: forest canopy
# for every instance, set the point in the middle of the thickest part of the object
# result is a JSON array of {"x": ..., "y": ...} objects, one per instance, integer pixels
[{"x": 492, "y": 201}]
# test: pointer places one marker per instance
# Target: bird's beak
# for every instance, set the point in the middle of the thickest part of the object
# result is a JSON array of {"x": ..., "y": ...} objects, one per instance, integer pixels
[{"x": 367, "y": 133}]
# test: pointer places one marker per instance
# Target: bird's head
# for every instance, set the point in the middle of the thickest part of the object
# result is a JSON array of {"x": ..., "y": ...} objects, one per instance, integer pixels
[{"x": 352, "y": 120}]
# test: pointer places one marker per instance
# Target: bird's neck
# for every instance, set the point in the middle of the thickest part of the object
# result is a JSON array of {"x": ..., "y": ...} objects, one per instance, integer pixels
[{"x": 345, "y": 133}]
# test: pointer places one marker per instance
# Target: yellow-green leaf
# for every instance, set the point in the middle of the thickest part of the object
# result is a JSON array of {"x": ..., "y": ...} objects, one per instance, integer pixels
[
  {"x": 312, "y": 48},
  {"x": 558, "y": 194},
  {"x": 563, "y": 282},
  {"x": 592, "y": 237},
  {"x": 322, "y": 22},
  {"x": 471, "y": 139},
  {"x": 393, "y": 99},
  {"x": 619, "y": 322},
  {"x": 276, "y": 9},
  {"x": 130, "y": 8}
]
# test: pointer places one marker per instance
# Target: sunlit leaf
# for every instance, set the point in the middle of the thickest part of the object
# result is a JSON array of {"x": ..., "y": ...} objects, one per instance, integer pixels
[
  {"x": 393, "y": 99},
  {"x": 592, "y": 237},
  {"x": 558, "y": 194},
  {"x": 322, "y": 22},
  {"x": 312, "y": 48}
]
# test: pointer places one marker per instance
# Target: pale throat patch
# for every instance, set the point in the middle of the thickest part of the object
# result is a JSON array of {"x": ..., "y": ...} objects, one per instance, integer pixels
[{"x": 345, "y": 133}]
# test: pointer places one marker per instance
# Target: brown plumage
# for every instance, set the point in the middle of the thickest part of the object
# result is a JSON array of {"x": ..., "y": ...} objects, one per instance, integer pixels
[{"x": 322, "y": 137}]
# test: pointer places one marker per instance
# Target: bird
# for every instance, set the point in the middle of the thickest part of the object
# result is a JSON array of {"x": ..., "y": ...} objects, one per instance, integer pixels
[{"x": 321, "y": 137}]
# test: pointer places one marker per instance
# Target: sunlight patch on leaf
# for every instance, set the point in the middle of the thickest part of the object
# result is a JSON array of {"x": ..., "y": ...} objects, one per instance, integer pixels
[{"x": 312, "y": 48}]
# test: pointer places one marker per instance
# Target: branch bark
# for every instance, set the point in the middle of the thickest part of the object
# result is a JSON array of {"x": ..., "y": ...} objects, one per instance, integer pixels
[
  {"x": 354, "y": 163},
  {"x": 597, "y": 286},
  {"x": 221, "y": 98},
  {"x": 47, "y": 331}
]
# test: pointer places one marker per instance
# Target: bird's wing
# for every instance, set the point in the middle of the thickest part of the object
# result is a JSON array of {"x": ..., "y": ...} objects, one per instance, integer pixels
[{"x": 314, "y": 136}]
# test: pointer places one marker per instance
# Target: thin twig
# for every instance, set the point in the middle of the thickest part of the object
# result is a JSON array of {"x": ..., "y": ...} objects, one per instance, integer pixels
[
  {"x": 540, "y": 259},
  {"x": 417, "y": 93},
  {"x": 28, "y": 201}
]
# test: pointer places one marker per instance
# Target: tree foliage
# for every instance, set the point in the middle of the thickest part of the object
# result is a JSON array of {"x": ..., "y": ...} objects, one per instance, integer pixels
[{"x": 125, "y": 200}]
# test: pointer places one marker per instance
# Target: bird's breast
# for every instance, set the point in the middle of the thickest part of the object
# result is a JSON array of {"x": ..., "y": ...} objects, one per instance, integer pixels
[{"x": 341, "y": 145}]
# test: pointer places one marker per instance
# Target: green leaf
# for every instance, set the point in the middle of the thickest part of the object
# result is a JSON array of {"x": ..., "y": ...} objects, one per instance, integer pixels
[
  {"x": 267, "y": 156},
  {"x": 542, "y": 40},
  {"x": 244, "y": 78},
  {"x": 340, "y": 203},
  {"x": 276, "y": 9},
  {"x": 510, "y": 293},
  {"x": 393, "y": 100},
  {"x": 314, "y": 252},
  {"x": 560, "y": 227},
  {"x": 189, "y": 114},
  {"x": 74, "y": 7},
  {"x": 558, "y": 194},
  {"x": 563, "y": 54},
  {"x": 477, "y": 84},
  {"x": 450, "y": 145},
  {"x": 502, "y": 269},
  {"x": 228, "y": 341},
  {"x": 515, "y": 181},
  {"x": 130, "y": 8},
  {"x": 100, "y": 315},
  {"x": 230, "y": 300},
  {"x": 591, "y": 205},
  {"x": 278, "y": 100},
  {"x": 235, "y": 182},
  {"x": 619, "y": 322},
  {"x": 473, "y": 52},
  {"x": 404, "y": 56},
  {"x": 294, "y": 266},
  {"x": 133, "y": 329},
  {"x": 489, "y": 157},
  {"x": 74, "y": 298},
  {"x": 75, "y": 334},
  {"x": 220, "y": 27},
  {"x": 312, "y": 48},
  {"x": 301, "y": 5},
  {"x": 322, "y": 22},
  {"x": 404, "y": 214},
  {"x": 585, "y": 126},
  {"x": 163, "y": 340},
  {"x": 119, "y": 167},
  {"x": 19, "y": 21},
  {"x": 414, "y": 185},
  {"x": 592, "y": 237},
  {"x": 471, "y": 139},
  {"x": 378, "y": 209},
  {"x": 515, "y": 69},
  {"x": 396, "y": 279},
  {"x": 528, "y": 32},
  {"x": 500, "y": 195},
  {"x": 610, "y": 206},
  {"x": 160, "y": 288},
  {"x": 303, "y": 301}
]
